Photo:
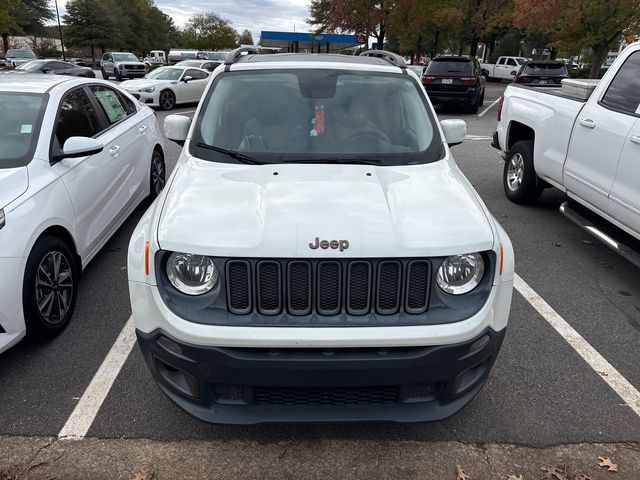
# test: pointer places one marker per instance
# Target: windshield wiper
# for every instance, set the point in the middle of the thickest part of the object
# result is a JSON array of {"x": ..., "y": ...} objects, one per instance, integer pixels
[
  {"x": 241, "y": 157},
  {"x": 352, "y": 161}
]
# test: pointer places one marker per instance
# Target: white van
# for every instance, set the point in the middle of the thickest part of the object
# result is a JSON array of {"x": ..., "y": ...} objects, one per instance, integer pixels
[{"x": 156, "y": 57}]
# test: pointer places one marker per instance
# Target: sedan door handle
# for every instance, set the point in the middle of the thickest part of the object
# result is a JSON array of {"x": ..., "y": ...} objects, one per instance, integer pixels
[
  {"x": 635, "y": 139},
  {"x": 587, "y": 122},
  {"x": 114, "y": 151},
  {"x": 142, "y": 129}
]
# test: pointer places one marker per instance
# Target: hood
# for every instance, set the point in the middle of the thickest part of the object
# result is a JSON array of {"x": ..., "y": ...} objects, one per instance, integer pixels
[
  {"x": 250, "y": 211},
  {"x": 13, "y": 183}
]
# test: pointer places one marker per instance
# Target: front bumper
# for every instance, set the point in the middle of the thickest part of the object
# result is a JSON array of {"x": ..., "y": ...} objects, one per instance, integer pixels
[
  {"x": 458, "y": 98},
  {"x": 12, "y": 327},
  {"x": 259, "y": 385},
  {"x": 150, "y": 99}
]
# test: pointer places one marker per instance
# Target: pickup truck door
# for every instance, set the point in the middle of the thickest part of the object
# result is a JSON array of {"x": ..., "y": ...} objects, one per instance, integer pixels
[
  {"x": 601, "y": 132},
  {"x": 624, "y": 201},
  {"x": 504, "y": 69}
]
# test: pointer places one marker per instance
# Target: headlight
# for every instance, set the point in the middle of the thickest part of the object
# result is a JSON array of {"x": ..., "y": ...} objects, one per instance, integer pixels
[
  {"x": 192, "y": 274},
  {"x": 148, "y": 89},
  {"x": 459, "y": 274}
]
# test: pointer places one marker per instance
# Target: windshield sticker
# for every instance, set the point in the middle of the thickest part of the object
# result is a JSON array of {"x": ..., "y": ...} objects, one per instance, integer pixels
[{"x": 26, "y": 128}]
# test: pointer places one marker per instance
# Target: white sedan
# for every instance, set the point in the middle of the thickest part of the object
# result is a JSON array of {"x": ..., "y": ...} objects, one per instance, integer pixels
[
  {"x": 165, "y": 87},
  {"x": 78, "y": 155}
]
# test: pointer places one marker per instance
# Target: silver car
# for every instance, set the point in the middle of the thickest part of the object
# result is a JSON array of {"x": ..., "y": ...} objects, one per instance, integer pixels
[{"x": 122, "y": 65}]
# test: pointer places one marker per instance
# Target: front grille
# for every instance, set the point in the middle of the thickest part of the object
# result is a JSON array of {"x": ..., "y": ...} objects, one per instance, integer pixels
[
  {"x": 134, "y": 67},
  {"x": 328, "y": 287},
  {"x": 325, "y": 396}
]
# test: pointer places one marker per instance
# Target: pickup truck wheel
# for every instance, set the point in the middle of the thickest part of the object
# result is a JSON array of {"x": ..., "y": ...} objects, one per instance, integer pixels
[
  {"x": 521, "y": 184},
  {"x": 49, "y": 288}
]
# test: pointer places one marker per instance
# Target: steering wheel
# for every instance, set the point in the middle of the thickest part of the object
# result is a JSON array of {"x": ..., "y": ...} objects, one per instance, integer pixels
[{"x": 367, "y": 132}]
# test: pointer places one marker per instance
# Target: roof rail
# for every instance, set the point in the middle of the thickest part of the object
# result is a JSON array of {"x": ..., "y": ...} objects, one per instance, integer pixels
[
  {"x": 392, "y": 58},
  {"x": 234, "y": 55}
]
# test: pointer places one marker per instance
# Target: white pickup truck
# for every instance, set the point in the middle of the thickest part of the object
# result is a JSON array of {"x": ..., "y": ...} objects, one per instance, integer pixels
[
  {"x": 504, "y": 68},
  {"x": 588, "y": 147}
]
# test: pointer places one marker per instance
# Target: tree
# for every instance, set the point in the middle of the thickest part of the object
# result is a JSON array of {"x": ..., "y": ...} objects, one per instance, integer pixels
[
  {"x": 89, "y": 23},
  {"x": 208, "y": 31},
  {"x": 597, "y": 24},
  {"x": 23, "y": 16},
  {"x": 246, "y": 38},
  {"x": 367, "y": 17}
]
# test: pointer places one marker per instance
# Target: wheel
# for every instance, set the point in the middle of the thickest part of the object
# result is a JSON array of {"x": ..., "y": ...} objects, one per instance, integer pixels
[
  {"x": 158, "y": 172},
  {"x": 473, "y": 107},
  {"x": 167, "y": 100},
  {"x": 49, "y": 288},
  {"x": 481, "y": 102},
  {"x": 521, "y": 184},
  {"x": 117, "y": 74},
  {"x": 105, "y": 76}
]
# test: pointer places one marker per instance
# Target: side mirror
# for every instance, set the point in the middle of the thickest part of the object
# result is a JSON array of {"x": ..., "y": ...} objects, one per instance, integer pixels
[
  {"x": 45, "y": 70},
  {"x": 454, "y": 131},
  {"x": 187, "y": 78},
  {"x": 514, "y": 73},
  {"x": 76, "y": 147},
  {"x": 176, "y": 128}
]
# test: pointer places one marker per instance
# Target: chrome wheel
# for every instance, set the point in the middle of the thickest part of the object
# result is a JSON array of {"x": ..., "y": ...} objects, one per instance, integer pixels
[
  {"x": 515, "y": 173},
  {"x": 157, "y": 174},
  {"x": 54, "y": 287},
  {"x": 167, "y": 100}
]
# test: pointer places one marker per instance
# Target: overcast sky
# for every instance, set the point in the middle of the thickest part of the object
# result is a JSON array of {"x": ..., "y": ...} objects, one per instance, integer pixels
[{"x": 253, "y": 15}]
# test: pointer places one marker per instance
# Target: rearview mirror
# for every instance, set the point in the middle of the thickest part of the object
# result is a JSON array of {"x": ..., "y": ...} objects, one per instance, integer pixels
[
  {"x": 187, "y": 78},
  {"x": 76, "y": 147},
  {"x": 176, "y": 128},
  {"x": 454, "y": 131}
]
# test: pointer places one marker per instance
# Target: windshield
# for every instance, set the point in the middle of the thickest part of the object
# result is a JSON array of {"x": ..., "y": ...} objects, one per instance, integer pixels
[
  {"x": 20, "y": 117},
  {"x": 165, "y": 73},
  {"x": 125, "y": 57},
  {"x": 450, "y": 67},
  {"x": 32, "y": 66},
  {"x": 217, "y": 55},
  {"x": 317, "y": 115},
  {"x": 545, "y": 69},
  {"x": 189, "y": 63},
  {"x": 417, "y": 69},
  {"x": 20, "y": 54}
]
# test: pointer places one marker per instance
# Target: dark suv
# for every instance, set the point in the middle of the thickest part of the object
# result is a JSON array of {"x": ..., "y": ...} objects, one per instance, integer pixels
[
  {"x": 542, "y": 73},
  {"x": 455, "y": 80}
]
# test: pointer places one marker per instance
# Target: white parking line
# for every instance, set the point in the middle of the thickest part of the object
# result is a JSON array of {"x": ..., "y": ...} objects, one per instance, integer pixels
[
  {"x": 607, "y": 372},
  {"x": 80, "y": 421},
  {"x": 488, "y": 108}
]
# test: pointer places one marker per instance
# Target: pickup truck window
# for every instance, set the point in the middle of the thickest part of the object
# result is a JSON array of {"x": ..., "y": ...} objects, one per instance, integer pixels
[
  {"x": 501, "y": 61},
  {"x": 511, "y": 62},
  {"x": 623, "y": 94},
  {"x": 317, "y": 115}
]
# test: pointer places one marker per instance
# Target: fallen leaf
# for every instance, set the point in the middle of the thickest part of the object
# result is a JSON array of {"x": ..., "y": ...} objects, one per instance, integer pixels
[
  {"x": 581, "y": 476},
  {"x": 460, "y": 475},
  {"x": 606, "y": 462},
  {"x": 504, "y": 215},
  {"x": 513, "y": 477},
  {"x": 144, "y": 475},
  {"x": 553, "y": 473},
  {"x": 556, "y": 244},
  {"x": 587, "y": 242}
]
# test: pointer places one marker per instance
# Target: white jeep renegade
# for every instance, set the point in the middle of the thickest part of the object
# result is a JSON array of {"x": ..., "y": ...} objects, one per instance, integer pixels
[{"x": 317, "y": 255}]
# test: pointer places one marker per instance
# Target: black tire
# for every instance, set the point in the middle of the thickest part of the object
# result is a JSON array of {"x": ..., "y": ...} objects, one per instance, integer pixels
[
  {"x": 105, "y": 76},
  {"x": 157, "y": 174},
  {"x": 167, "y": 100},
  {"x": 473, "y": 107},
  {"x": 117, "y": 74},
  {"x": 519, "y": 179},
  {"x": 481, "y": 102},
  {"x": 49, "y": 288}
]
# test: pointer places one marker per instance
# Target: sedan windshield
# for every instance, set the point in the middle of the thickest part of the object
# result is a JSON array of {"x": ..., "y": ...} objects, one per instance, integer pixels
[
  {"x": 20, "y": 117},
  {"x": 125, "y": 57},
  {"x": 165, "y": 73},
  {"x": 32, "y": 66},
  {"x": 316, "y": 115}
]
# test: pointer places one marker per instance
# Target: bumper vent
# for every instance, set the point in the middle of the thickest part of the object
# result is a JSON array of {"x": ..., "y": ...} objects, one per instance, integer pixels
[
  {"x": 326, "y": 396},
  {"x": 327, "y": 287}
]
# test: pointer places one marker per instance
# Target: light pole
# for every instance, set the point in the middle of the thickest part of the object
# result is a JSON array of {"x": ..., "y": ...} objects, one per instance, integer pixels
[{"x": 60, "y": 30}]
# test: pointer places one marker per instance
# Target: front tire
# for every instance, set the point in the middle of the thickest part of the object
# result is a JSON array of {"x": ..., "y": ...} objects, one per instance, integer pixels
[
  {"x": 49, "y": 288},
  {"x": 520, "y": 182},
  {"x": 105, "y": 76},
  {"x": 117, "y": 75},
  {"x": 167, "y": 100},
  {"x": 473, "y": 107},
  {"x": 157, "y": 176}
]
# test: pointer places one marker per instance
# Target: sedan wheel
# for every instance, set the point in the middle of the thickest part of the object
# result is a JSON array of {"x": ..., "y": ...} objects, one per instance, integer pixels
[
  {"x": 49, "y": 288},
  {"x": 167, "y": 100},
  {"x": 158, "y": 172}
]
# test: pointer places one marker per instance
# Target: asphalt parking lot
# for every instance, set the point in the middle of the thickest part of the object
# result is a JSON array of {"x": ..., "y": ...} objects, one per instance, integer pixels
[{"x": 541, "y": 392}]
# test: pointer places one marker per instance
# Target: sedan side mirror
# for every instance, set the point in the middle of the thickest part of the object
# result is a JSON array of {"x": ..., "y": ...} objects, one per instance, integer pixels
[
  {"x": 176, "y": 128},
  {"x": 76, "y": 147},
  {"x": 187, "y": 78},
  {"x": 454, "y": 131},
  {"x": 45, "y": 70}
]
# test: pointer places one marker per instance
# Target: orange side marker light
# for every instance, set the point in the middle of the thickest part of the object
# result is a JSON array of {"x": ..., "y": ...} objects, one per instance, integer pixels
[
  {"x": 501, "y": 257},
  {"x": 146, "y": 259}
]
